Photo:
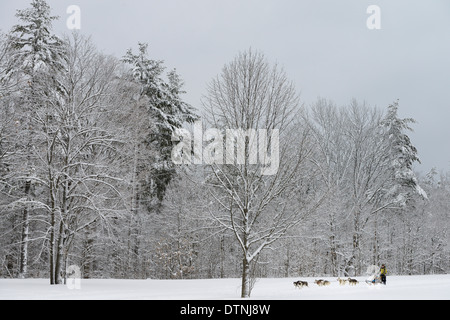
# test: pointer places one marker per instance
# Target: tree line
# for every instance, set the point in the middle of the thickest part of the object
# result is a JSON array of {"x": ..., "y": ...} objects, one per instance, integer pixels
[{"x": 87, "y": 177}]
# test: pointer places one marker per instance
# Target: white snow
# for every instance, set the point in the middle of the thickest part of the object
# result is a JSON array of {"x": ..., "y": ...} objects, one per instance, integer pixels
[{"x": 435, "y": 287}]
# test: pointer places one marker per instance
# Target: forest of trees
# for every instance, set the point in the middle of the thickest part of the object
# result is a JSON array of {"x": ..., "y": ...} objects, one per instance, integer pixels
[{"x": 87, "y": 178}]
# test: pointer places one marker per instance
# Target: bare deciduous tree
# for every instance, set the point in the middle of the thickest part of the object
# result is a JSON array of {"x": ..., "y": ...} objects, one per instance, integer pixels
[
  {"x": 77, "y": 150},
  {"x": 251, "y": 95}
]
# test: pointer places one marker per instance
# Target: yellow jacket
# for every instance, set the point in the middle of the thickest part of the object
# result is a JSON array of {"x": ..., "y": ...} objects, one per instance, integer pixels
[{"x": 383, "y": 271}]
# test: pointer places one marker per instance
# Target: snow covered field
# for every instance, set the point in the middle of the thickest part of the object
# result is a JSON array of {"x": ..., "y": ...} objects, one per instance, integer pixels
[{"x": 398, "y": 287}]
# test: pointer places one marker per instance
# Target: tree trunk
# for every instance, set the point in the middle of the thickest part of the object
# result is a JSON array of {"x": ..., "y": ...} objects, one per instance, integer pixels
[
  {"x": 222, "y": 257},
  {"x": 59, "y": 254},
  {"x": 25, "y": 235},
  {"x": 376, "y": 251},
  {"x": 245, "y": 278},
  {"x": 333, "y": 253},
  {"x": 356, "y": 263},
  {"x": 287, "y": 264},
  {"x": 52, "y": 248},
  {"x": 52, "y": 230}
]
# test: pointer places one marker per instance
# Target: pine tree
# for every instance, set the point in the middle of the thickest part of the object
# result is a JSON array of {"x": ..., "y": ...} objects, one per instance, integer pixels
[
  {"x": 37, "y": 49},
  {"x": 402, "y": 156},
  {"x": 165, "y": 108},
  {"x": 38, "y": 55}
]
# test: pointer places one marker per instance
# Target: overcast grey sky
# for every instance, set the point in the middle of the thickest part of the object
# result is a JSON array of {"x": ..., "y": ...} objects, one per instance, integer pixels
[{"x": 324, "y": 45}]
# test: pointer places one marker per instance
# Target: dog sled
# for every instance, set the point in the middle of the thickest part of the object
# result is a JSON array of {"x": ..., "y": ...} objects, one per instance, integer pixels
[
  {"x": 374, "y": 279},
  {"x": 374, "y": 275}
]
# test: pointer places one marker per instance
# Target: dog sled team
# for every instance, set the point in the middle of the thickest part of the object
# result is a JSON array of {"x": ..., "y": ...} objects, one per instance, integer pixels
[
  {"x": 375, "y": 278},
  {"x": 323, "y": 283}
]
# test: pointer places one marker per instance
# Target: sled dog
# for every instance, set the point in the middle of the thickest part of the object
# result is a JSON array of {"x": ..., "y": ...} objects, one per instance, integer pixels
[
  {"x": 322, "y": 282},
  {"x": 300, "y": 284},
  {"x": 342, "y": 282},
  {"x": 352, "y": 282}
]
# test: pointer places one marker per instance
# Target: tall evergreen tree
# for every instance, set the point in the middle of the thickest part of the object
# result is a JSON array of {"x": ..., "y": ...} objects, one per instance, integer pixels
[
  {"x": 402, "y": 156},
  {"x": 39, "y": 51},
  {"x": 38, "y": 55},
  {"x": 166, "y": 109}
]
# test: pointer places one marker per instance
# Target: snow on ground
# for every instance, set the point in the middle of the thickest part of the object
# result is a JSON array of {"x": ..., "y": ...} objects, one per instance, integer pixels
[{"x": 436, "y": 287}]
